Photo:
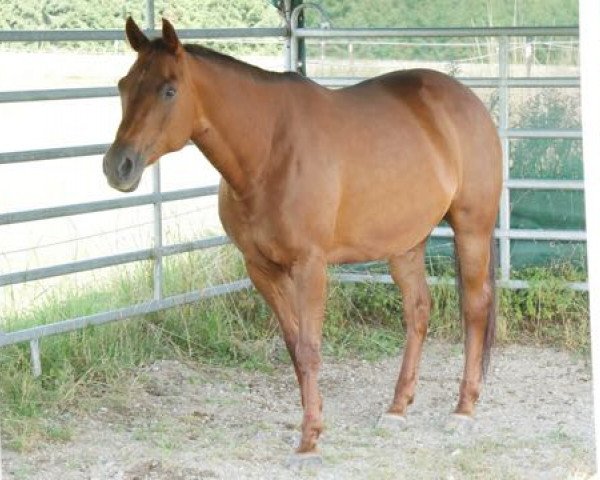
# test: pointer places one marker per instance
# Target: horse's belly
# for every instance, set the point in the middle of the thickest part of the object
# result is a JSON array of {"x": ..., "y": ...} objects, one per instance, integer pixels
[
  {"x": 367, "y": 244},
  {"x": 376, "y": 223}
]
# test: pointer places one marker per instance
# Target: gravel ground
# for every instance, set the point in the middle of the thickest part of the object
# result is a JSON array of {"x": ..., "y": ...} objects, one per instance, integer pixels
[{"x": 178, "y": 422}]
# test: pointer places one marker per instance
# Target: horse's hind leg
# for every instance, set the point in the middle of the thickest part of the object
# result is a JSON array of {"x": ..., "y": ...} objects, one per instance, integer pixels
[
  {"x": 408, "y": 272},
  {"x": 473, "y": 249}
]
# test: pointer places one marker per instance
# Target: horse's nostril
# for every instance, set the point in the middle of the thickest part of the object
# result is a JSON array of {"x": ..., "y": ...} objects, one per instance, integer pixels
[{"x": 125, "y": 167}]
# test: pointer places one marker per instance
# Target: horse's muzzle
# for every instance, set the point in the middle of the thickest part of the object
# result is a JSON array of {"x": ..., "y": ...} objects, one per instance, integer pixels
[{"x": 123, "y": 167}]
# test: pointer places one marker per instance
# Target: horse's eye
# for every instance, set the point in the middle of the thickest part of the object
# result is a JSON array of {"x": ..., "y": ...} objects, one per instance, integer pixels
[{"x": 170, "y": 91}]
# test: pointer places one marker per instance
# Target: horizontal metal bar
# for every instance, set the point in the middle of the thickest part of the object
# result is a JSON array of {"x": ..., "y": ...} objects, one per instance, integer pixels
[
  {"x": 387, "y": 279},
  {"x": 102, "y": 92},
  {"x": 549, "y": 133},
  {"x": 75, "y": 267},
  {"x": 108, "y": 261},
  {"x": 53, "y": 153},
  {"x": 232, "y": 33},
  {"x": 103, "y": 205},
  {"x": 100, "y": 149},
  {"x": 113, "y": 260},
  {"x": 383, "y": 278},
  {"x": 524, "y": 234},
  {"x": 523, "y": 284},
  {"x": 522, "y": 82},
  {"x": 530, "y": 184},
  {"x": 473, "y": 82},
  {"x": 117, "y": 35},
  {"x": 61, "y": 35},
  {"x": 211, "y": 33},
  {"x": 195, "y": 245},
  {"x": 40, "y": 331},
  {"x": 442, "y": 232},
  {"x": 436, "y": 32},
  {"x": 58, "y": 94},
  {"x": 120, "y": 314},
  {"x": 544, "y": 235}
]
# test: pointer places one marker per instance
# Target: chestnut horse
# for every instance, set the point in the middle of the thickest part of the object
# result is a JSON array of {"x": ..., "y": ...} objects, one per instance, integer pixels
[{"x": 313, "y": 176}]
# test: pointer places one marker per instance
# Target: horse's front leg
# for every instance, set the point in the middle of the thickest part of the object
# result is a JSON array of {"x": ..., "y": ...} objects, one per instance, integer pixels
[
  {"x": 310, "y": 279},
  {"x": 277, "y": 288}
]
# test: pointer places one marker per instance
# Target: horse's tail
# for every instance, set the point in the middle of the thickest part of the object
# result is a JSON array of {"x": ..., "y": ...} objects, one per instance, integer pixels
[{"x": 490, "y": 329}]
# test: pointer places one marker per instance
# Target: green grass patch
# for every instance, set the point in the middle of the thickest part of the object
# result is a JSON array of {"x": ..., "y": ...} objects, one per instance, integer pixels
[{"x": 238, "y": 329}]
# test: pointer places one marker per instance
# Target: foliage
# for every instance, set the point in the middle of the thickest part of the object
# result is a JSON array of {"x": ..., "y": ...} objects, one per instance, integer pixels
[
  {"x": 66, "y": 14},
  {"x": 557, "y": 158},
  {"x": 110, "y": 14},
  {"x": 464, "y": 13},
  {"x": 57, "y": 14},
  {"x": 547, "y": 310},
  {"x": 547, "y": 158}
]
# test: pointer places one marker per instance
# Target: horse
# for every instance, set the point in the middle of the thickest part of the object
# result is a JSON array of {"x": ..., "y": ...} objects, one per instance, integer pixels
[{"x": 313, "y": 176}]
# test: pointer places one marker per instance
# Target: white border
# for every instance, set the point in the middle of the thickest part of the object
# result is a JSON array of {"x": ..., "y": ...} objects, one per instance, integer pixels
[{"x": 589, "y": 41}]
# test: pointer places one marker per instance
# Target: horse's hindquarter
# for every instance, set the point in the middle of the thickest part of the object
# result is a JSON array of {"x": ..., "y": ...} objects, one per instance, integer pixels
[{"x": 401, "y": 148}]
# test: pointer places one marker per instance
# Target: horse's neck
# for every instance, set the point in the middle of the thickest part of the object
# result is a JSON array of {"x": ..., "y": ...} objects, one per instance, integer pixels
[{"x": 238, "y": 117}]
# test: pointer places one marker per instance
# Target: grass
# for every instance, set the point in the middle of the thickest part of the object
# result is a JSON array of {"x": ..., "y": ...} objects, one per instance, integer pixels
[{"x": 362, "y": 320}]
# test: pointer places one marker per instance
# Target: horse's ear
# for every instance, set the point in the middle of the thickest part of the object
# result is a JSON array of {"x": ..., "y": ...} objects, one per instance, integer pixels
[
  {"x": 170, "y": 37},
  {"x": 135, "y": 36}
]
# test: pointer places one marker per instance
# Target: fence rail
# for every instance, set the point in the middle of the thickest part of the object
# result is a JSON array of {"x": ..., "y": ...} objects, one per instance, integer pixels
[
  {"x": 292, "y": 35},
  {"x": 119, "y": 35}
]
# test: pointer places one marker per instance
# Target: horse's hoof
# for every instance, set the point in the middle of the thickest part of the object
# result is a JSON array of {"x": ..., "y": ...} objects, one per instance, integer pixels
[
  {"x": 391, "y": 421},
  {"x": 460, "y": 424},
  {"x": 298, "y": 461}
]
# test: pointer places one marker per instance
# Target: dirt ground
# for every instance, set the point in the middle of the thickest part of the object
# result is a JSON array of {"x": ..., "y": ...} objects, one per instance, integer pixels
[{"x": 182, "y": 422}]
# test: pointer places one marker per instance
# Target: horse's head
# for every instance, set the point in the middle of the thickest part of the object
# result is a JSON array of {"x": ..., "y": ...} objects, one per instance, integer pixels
[{"x": 158, "y": 109}]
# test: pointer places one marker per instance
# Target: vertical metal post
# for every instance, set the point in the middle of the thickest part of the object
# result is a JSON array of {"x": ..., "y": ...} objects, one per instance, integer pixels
[
  {"x": 150, "y": 24},
  {"x": 158, "y": 230},
  {"x": 298, "y": 44},
  {"x": 293, "y": 51},
  {"x": 287, "y": 48},
  {"x": 503, "y": 120},
  {"x": 36, "y": 363}
]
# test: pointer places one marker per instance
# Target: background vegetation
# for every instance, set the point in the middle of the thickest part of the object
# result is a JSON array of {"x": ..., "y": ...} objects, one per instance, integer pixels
[
  {"x": 59, "y": 14},
  {"x": 111, "y": 14}
]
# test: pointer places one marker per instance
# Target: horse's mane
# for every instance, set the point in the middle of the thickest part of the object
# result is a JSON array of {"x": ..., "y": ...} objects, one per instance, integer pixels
[{"x": 230, "y": 62}]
